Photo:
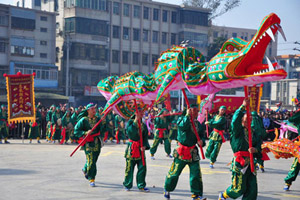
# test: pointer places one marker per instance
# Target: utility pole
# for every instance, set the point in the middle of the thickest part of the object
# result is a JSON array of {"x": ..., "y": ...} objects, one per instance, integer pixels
[{"x": 67, "y": 65}]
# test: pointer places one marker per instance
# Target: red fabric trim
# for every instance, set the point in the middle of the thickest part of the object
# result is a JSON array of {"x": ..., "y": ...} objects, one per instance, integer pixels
[
  {"x": 117, "y": 136},
  {"x": 240, "y": 157},
  {"x": 135, "y": 149},
  {"x": 161, "y": 132},
  {"x": 63, "y": 134},
  {"x": 185, "y": 151},
  {"x": 265, "y": 156},
  {"x": 221, "y": 132}
]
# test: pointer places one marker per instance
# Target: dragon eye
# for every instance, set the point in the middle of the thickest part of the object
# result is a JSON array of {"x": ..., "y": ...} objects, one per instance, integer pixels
[{"x": 230, "y": 48}]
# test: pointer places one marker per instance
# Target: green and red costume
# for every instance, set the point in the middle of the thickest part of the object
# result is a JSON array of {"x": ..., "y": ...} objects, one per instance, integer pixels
[
  {"x": 161, "y": 133},
  {"x": 133, "y": 154},
  {"x": 109, "y": 134},
  {"x": 216, "y": 137},
  {"x": 3, "y": 125},
  {"x": 186, "y": 153},
  {"x": 294, "y": 171},
  {"x": 244, "y": 182},
  {"x": 35, "y": 128},
  {"x": 92, "y": 147},
  {"x": 56, "y": 128},
  {"x": 120, "y": 129}
]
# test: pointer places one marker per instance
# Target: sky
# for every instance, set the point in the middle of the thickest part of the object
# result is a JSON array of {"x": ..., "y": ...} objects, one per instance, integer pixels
[{"x": 250, "y": 14}]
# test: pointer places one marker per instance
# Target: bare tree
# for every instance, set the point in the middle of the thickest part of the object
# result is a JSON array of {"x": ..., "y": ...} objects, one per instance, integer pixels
[{"x": 218, "y": 7}]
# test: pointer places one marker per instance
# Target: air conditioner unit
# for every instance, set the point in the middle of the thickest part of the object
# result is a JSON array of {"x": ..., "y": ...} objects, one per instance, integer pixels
[{"x": 126, "y": 37}]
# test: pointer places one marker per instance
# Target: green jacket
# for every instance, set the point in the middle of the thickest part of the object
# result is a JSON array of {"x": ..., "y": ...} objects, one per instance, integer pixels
[
  {"x": 186, "y": 134},
  {"x": 133, "y": 134},
  {"x": 219, "y": 123},
  {"x": 296, "y": 120},
  {"x": 3, "y": 118},
  {"x": 118, "y": 120},
  {"x": 239, "y": 136}
]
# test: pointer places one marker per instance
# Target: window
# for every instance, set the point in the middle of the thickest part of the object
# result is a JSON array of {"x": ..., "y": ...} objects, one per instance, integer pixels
[
  {"x": 2, "y": 47},
  {"x": 145, "y": 35},
  {"x": 234, "y": 35},
  {"x": 21, "y": 50},
  {"x": 155, "y": 37},
  {"x": 194, "y": 17},
  {"x": 116, "y": 8},
  {"x": 44, "y": 18},
  {"x": 145, "y": 59},
  {"x": 115, "y": 56},
  {"x": 86, "y": 26},
  {"x": 94, "y": 52},
  {"x": 174, "y": 17},
  {"x": 270, "y": 51},
  {"x": 137, "y": 11},
  {"x": 173, "y": 38},
  {"x": 42, "y": 42},
  {"x": 154, "y": 59},
  {"x": 44, "y": 30},
  {"x": 53, "y": 75},
  {"x": 135, "y": 58},
  {"x": 3, "y": 20},
  {"x": 22, "y": 23},
  {"x": 164, "y": 38},
  {"x": 146, "y": 13},
  {"x": 165, "y": 16},
  {"x": 126, "y": 33},
  {"x": 136, "y": 34},
  {"x": 125, "y": 56},
  {"x": 215, "y": 34},
  {"x": 43, "y": 55},
  {"x": 126, "y": 10},
  {"x": 155, "y": 14},
  {"x": 116, "y": 32}
]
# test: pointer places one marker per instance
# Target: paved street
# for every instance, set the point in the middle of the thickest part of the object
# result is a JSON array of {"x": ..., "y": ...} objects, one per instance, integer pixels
[{"x": 45, "y": 171}]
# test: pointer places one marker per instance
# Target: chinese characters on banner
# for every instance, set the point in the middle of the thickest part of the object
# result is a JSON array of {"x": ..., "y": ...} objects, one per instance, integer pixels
[
  {"x": 20, "y": 97},
  {"x": 255, "y": 93},
  {"x": 231, "y": 102}
]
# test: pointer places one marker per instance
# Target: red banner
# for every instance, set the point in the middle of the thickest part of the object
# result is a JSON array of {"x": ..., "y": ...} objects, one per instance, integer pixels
[
  {"x": 255, "y": 93},
  {"x": 20, "y": 97},
  {"x": 231, "y": 102}
]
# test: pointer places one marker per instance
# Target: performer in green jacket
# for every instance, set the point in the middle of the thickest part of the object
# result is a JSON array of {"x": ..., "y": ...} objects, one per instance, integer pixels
[
  {"x": 35, "y": 128},
  {"x": 244, "y": 182},
  {"x": 67, "y": 124},
  {"x": 216, "y": 137},
  {"x": 161, "y": 133},
  {"x": 133, "y": 153},
  {"x": 3, "y": 125},
  {"x": 257, "y": 126},
  {"x": 92, "y": 147},
  {"x": 74, "y": 120},
  {"x": 120, "y": 129},
  {"x": 186, "y": 153},
  {"x": 294, "y": 171},
  {"x": 56, "y": 125},
  {"x": 173, "y": 127},
  {"x": 50, "y": 112},
  {"x": 110, "y": 119}
]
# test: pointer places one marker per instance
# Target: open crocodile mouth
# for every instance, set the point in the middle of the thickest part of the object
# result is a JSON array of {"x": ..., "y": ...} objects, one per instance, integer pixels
[{"x": 249, "y": 61}]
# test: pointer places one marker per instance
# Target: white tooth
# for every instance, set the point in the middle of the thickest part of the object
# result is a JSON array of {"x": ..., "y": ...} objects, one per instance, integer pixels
[
  {"x": 264, "y": 34},
  {"x": 258, "y": 40},
  {"x": 254, "y": 73},
  {"x": 276, "y": 25},
  {"x": 270, "y": 33},
  {"x": 260, "y": 37},
  {"x": 282, "y": 33},
  {"x": 267, "y": 70},
  {"x": 272, "y": 27},
  {"x": 271, "y": 68},
  {"x": 255, "y": 43}
]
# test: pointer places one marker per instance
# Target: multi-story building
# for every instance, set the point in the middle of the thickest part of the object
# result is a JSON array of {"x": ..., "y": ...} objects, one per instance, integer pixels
[
  {"x": 98, "y": 38},
  {"x": 285, "y": 90},
  {"x": 27, "y": 44}
]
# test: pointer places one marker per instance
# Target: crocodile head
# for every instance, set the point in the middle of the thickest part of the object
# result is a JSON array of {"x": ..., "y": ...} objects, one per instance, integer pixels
[{"x": 240, "y": 62}]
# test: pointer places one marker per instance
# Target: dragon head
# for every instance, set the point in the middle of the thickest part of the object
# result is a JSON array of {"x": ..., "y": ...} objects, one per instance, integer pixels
[{"x": 239, "y": 59}]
